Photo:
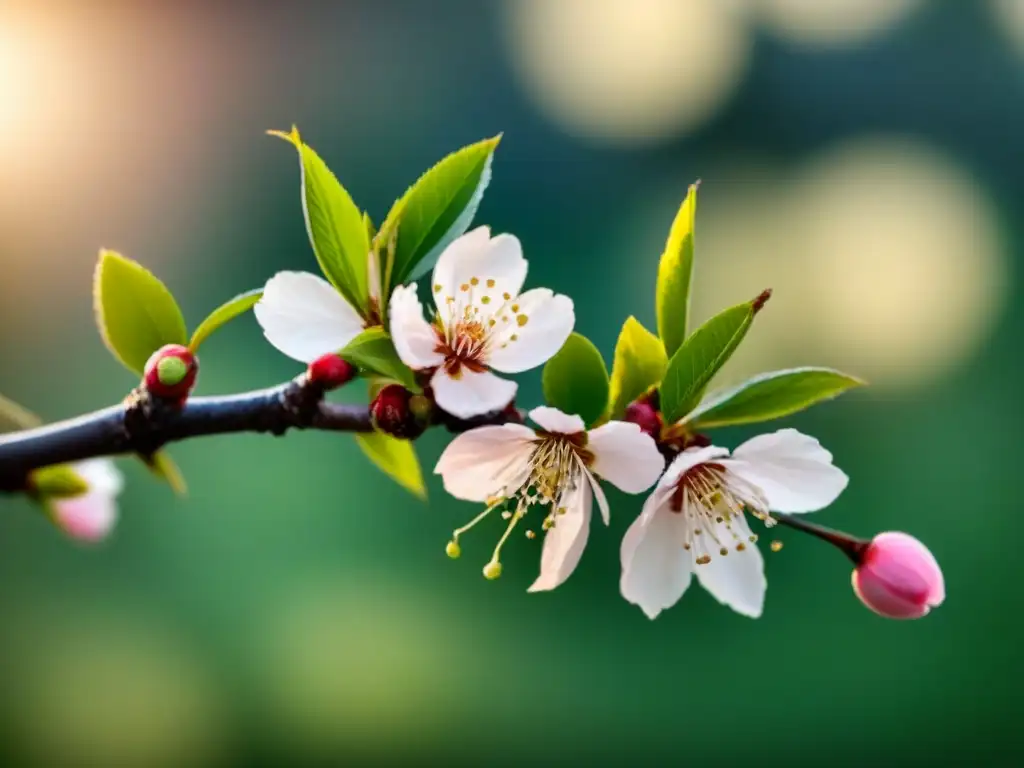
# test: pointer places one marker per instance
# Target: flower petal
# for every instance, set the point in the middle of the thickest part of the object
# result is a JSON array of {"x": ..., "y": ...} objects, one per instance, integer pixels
[
  {"x": 595, "y": 487},
  {"x": 483, "y": 462},
  {"x": 489, "y": 266},
  {"x": 101, "y": 474},
  {"x": 414, "y": 338},
  {"x": 737, "y": 579},
  {"x": 88, "y": 518},
  {"x": 656, "y": 570},
  {"x": 565, "y": 542},
  {"x": 792, "y": 469},
  {"x": 687, "y": 460},
  {"x": 536, "y": 330},
  {"x": 471, "y": 394},
  {"x": 304, "y": 317},
  {"x": 553, "y": 420},
  {"x": 625, "y": 456}
]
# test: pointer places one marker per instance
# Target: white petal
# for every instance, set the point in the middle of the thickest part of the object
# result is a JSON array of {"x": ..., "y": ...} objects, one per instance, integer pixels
[
  {"x": 482, "y": 462},
  {"x": 102, "y": 475},
  {"x": 602, "y": 501},
  {"x": 553, "y": 420},
  {"x": 656, "y": 570},
  {"x": 304, "y": 317},
  {"x": 565, "y": 542},
  {"x": 792, "y": 469},
  {"x": 472, "y": 394},
  {"x": 625, "y": 456},
  {"x": 687, "y": 460},
  {"x": 415, "y": 340},
  {"x": 534, "y": 333},
  {"x": 737, "y": 579},
  {"x": 477, "y": 255}
]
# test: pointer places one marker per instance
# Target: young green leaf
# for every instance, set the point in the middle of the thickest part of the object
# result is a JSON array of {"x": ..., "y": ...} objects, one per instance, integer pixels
[
  {"x": 771, "y": 396},
  {"x": 435, "y": 210},
  {"x": 575, "y": 380},
  {"x": 135, "y": 312},
  {"x": 639, "y": 364},
  {"x": 672, "y": 295},
  {"x": 702, "y": 355},
  {"x": 58, "y": 481},
  {"x": 13, "y": 417},
  {"x": 373, "y": 351},
  {"x": 164, "y": 468},
  {"x": 224, "y": 314},
  {"x": 396, "y": 458},
  {"x": 335, "y": 225}
]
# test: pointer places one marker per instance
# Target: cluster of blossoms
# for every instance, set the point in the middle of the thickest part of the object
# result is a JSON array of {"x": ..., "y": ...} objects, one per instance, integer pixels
[{"x": 641, "y": 427}]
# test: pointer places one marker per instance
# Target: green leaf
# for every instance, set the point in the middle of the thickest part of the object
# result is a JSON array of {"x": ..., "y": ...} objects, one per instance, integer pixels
[
  {"x": 164, "y": 468},
  {"x": 135, "y": 312},
  {"x": 575, "y": 380},
  {"x": 57, "y": 482},
  {"x": 435, "y": 210},
  {"x": 702, "y": 355},
  {"x": 335, "y": 225},
  {"x": 14, "y": 418},
  {"x": 639, "y": 364},
  {"x": 373, "y": 351},
  {"x": 672, "y": 295},
  {"x": 396, "y": 458},
  {"x": 771, "y": 396},
  {"x": 224, "y": 314}
]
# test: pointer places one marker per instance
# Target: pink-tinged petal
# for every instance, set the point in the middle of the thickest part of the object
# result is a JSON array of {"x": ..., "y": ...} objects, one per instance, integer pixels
[
  {"x": 480, "y": 463},
  {"x": 471, "y": 394},
  {"x": 565, "y": 542},
  {"x": 736, "y": 579},
  {"x": 535, "y": 330},
  {"x": 792, "y": 470},
  {"x": 899, "y": 577},
  {"x": 304, "y": 317},
  {"x": 497, "y": 264},
  {"x": 86, "y": 518},
  {"x": 625, "y": 456},
  {"x": 602, "y": 500},
  {"x": 101, "y": 474},
  {"x": 656, "y": 570},
  {"x": 414, "y": 338},
  {"x": 687, "y": 460},
  {"x": 553, "y": 420}
]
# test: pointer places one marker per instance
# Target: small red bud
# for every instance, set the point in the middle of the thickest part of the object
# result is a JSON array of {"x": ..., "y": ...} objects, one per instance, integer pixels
[
  {"x": 330, "y": 371},
  {"x": 391, "y": 413},
  {"x": 644, "y": 415},
  {"x": 170, "y": 372}
]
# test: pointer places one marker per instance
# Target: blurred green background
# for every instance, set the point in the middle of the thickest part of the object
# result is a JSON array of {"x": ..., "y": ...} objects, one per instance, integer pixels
[{"x": 861, "y": 157}]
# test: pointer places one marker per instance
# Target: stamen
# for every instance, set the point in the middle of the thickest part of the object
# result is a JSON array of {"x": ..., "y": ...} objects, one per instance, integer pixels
[{"x": 459, "y": 531}]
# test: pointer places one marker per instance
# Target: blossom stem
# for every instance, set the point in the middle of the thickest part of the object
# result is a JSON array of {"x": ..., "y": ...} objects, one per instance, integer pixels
[
  {"x": 142, "y": 424},
  {"x": 851, "y": 546}
]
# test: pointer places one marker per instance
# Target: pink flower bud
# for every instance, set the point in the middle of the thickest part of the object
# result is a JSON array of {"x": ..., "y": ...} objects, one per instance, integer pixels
[
  {"x": 645, "y": 416},
  {"x": 170, "y": 372},
  {"x": 330, "y": 371},
  {"x": 898, "y": 577},
  {"x": 91, "y": 516}
]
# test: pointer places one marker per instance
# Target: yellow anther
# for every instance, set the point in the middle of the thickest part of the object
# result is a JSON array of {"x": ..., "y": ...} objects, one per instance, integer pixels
[
  {"x": 464, "y": 287},
  {"x": 453, "y": 550},
  {"x": 485, "y": 299},
  {"x": 776, "y": 545},
  {"x": 490, "y": 283},
  {"x": 522, "y": 320},
  {"x": 437, "y": 288},
  {"x": 474, "y": 281},
  {"x": 723, "y": 551},
  {"x": 492, "y": 570},
  {"x": 703, "y": 560},
  {"x": 531, "y": 535}
]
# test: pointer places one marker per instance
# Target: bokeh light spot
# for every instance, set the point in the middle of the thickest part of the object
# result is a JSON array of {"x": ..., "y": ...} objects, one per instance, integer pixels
[{"x": 828, "y": 23}]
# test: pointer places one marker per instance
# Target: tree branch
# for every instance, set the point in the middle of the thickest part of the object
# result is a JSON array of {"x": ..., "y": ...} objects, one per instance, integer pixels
[{"x": 143, "y": 424}]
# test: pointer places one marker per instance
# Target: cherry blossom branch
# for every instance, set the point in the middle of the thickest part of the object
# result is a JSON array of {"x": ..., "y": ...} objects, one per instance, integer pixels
[{"x": 143, "y": 424}]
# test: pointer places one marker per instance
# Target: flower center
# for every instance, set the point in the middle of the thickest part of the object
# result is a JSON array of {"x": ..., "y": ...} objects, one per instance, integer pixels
[
  {"x": 554, "y": 471},
  {"x": 479, "y": 318},
  {"x": 712, "y": 502}
]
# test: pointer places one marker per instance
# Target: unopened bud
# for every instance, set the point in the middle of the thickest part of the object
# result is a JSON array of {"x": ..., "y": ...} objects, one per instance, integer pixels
[
  {"x": 330, "y": 371},
  {"x": 645, "y": 416},
  {"x": 391, "y": 413},
  {"x": 170, "y": 373},
  {"x": 898, "y": 577}
]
